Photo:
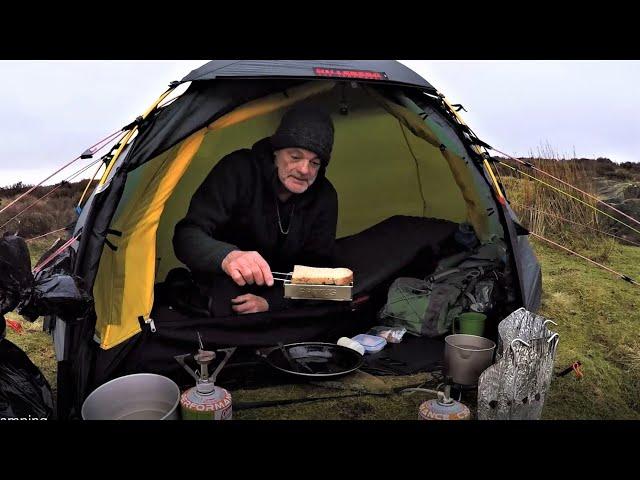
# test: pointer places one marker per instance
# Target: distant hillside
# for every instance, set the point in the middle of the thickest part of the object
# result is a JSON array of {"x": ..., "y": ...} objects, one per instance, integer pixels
[
  {"x": 600, "y": 167},
  {"x": 45, "y": 209}
]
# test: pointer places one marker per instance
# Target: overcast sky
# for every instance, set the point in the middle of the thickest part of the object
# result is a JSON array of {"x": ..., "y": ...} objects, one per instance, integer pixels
[{"x": 53, "y": 110}]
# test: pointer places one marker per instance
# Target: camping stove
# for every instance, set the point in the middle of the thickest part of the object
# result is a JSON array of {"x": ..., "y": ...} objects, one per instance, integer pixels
[{"x": 205, "y": 401}]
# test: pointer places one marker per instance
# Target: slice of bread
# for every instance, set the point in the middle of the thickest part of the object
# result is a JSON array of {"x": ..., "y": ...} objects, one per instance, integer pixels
[{"x": 321, "y": 276}]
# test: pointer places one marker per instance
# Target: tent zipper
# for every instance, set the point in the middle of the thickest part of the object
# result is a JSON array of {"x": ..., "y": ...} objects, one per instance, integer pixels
[{"x": 149, "y": 321}]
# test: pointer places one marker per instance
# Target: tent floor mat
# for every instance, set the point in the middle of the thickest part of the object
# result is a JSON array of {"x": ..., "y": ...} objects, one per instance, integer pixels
[{"x": 412, "y": 356}]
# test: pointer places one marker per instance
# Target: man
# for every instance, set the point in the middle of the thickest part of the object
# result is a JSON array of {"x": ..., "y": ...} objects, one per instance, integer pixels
[{"x": 263, "y": 210}]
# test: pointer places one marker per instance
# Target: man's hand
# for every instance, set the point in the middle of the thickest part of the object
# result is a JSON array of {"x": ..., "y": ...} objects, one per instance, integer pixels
[
  {"x": 247, "y": 268},
  {"x": 249, "y": 303}
]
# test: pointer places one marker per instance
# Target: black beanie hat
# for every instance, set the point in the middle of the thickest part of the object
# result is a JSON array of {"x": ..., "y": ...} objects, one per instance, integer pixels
[{"x": 305, "y": 127}]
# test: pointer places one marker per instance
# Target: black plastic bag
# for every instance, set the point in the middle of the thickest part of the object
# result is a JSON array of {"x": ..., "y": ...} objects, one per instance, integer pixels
[
  {"x": 15, "y": 272},
  {"x": 59, "y": 294},
  {"x": 24, "y": 392},
  {"x": 53, "y": 291}
]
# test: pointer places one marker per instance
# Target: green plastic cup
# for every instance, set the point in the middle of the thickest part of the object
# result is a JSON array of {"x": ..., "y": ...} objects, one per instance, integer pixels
[{"x": 472, "y": 323}]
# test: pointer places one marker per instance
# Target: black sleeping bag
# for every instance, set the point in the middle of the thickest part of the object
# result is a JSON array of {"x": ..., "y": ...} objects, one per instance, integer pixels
[{"x": 400, "y": 245}]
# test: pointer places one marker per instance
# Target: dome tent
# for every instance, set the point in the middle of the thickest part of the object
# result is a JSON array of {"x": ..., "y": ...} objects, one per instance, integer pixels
[{"x": 400, "y": 150}]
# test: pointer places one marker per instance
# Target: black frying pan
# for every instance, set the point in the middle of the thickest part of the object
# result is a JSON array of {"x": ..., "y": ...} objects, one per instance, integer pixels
[{"x": 313, "y": 359}]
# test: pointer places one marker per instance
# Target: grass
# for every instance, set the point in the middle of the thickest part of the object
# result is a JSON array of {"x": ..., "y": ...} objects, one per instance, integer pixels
[
  {"x": 374, "y": 399},
  {"x": 598, "y": 317},
  {"x": 542, "y": 208}
]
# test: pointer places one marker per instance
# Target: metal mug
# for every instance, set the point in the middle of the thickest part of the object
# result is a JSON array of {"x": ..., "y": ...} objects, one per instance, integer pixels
[{"x": 466, "y": 357}]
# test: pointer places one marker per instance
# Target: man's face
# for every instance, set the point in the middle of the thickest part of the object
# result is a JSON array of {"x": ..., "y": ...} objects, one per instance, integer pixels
[{"x": 297, "y": 168}]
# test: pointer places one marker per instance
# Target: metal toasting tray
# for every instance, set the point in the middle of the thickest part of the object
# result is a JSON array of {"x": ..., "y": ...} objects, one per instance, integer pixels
[{"x": 297, "y": 291}]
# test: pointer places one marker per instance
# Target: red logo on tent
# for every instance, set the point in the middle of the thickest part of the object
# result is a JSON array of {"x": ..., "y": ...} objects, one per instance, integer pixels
[{"x": 341, "y": 73}]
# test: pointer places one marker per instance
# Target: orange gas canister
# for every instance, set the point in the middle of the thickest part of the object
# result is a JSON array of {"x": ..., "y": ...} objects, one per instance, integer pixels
[{"x": 205, "y": 401}]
